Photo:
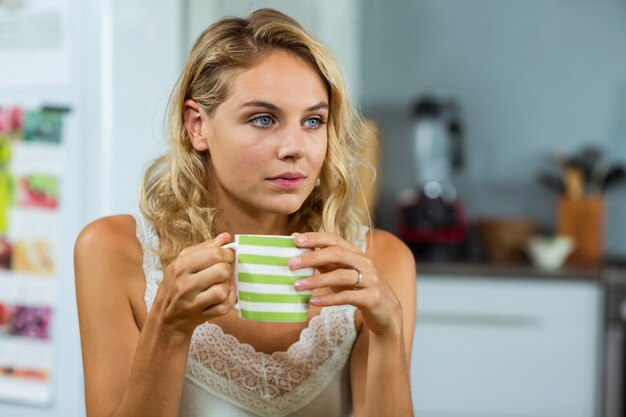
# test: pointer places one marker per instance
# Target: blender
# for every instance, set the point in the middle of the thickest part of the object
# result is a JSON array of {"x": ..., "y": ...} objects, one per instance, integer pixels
[{"x": 431, "y": 215}]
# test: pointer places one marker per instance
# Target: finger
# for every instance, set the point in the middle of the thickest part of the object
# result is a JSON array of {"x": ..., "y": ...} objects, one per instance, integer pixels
[
  {"x": 222, "y": 308},
  {"x": 328, "y": 256},
  {"x": 215, "y": 294},
  {"x": 339, "y": 279},
  {"x": 188, "y": 286},
  {"x": 213, "y": 275},
  {"x": 193, "y": 262},
  {"x": 322, "y": 240},
  {"x": 217, "y": 242},
  {"x": 362, "y": 299}
]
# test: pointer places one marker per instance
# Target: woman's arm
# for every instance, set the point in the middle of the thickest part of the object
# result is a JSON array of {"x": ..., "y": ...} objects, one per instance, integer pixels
[
  {"x": 136, "y": 373},
  {"x": 385, "y": 298},
  {"x": 380, "y": 364}
]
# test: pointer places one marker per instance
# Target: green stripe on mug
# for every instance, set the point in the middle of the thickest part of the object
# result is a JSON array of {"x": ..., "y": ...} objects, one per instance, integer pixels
[
  {"x": 266, "y": 279},
  {"x": 273, "y": 316},
  {"x": 274, "y": 298},
  {"x": 275, "y": 242},
  {"x": 246, "y": 258}
]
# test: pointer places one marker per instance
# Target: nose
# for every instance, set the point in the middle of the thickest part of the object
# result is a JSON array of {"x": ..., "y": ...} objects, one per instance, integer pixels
[{"x": 292, "y": 144}]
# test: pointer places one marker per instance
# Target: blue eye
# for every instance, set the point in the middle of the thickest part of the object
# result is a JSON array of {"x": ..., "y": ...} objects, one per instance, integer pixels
[
  {"x": 313, "y": 123},
  {"x": 262, "y": 121}
]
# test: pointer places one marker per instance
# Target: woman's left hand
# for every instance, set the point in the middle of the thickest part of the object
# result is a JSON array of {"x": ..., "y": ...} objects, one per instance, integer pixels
[{"x": 352, "y": 277}]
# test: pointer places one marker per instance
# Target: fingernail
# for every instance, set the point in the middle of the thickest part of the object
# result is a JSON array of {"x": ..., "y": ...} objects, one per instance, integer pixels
[
  {"x": 294, "y": 261},
  {"x": 302, "y": 239},
  {"x": 315, "y": 300},
  {"x": 300, "y": 284},
  {"x": 221, "y": 235}
]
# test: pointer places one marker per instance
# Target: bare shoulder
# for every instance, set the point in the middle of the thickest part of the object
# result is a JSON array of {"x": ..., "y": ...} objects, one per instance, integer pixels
[
  {"x": 108, "y": 269},
  {"x": 391, "y": 256},
  {"x": 107, "y": 235},
  {"x": 107, "y": 228},
  {"x": 109, "y": 241}
]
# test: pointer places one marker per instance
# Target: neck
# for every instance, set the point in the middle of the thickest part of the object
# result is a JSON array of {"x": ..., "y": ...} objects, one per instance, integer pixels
[
  {"x": 265, "y": 224},
  {"x": 238, "y": 219}
]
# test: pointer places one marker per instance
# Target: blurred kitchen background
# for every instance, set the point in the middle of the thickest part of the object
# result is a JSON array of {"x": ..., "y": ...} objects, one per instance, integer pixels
[{"x": 498, "y": 129}]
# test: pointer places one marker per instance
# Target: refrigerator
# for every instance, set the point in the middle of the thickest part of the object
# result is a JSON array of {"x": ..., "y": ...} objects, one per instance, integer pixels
[{"x": 87, "y": 66}]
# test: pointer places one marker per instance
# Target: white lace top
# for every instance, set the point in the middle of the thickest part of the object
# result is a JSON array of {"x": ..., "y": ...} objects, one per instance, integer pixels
[{"x": 226, "y": 378}]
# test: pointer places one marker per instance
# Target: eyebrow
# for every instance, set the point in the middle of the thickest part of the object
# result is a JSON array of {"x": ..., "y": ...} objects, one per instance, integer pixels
[{"x": 270, "y": 106}]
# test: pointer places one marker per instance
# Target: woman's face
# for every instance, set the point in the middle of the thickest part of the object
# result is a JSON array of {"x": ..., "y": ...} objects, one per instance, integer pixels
[{"x": 267, "y": 141}]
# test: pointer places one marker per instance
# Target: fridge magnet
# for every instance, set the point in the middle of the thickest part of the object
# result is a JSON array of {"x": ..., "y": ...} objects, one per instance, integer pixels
[
  {"x": 30, "y": 321},
  {"x": 43, "y": 126},
  {"x": 4, "y": 319},
  {"x": 5, "y": 253},
  {"x": 39, "y": 190},
  {"x": 6, "y": 183},
  {"x": 12, "y": 123},
  {"x": 32, "y": 256}
]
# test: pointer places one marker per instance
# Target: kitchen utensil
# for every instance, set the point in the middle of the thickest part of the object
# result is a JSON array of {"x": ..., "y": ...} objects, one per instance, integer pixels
[
  {"x": 549, "y": 252},
  {"x": 598, "y": 176},
  {"x": 574, "y": 181},
  {"x": 615, "y": 176},
  {"x": 588, "y": 158},
  {"x": 551, "y": 181}
]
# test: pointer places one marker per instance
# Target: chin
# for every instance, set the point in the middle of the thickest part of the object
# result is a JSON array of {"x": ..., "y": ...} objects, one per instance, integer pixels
[
  {"x": 284, "y": 205},
  {"x": 285, "y": 209}
]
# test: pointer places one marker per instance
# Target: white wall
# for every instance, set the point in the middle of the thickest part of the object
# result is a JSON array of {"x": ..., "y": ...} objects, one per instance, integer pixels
[
  {"x": 533, "y": 77},
  {"x": 336, "y": 23},
  {"x": 140, "y": 63}
]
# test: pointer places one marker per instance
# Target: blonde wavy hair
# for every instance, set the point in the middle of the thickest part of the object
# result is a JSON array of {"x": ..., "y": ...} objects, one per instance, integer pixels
[{"x": 176, "y": 196}]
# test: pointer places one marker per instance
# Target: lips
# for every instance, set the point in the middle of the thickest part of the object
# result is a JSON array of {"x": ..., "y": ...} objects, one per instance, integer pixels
[{"x": 288, "y": 180}]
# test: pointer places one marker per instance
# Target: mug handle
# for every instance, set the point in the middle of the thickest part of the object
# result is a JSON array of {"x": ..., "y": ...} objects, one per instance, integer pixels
[{"x": 233, "y": 245}]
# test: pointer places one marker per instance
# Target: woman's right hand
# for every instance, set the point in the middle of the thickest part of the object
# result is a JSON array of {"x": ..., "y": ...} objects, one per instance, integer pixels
[{"x": 196, "y": 287}]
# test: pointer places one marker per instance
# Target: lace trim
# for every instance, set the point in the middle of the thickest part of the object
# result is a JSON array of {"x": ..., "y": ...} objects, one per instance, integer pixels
[
  {"x": 274, "y": 384},
  {"x": 149, "y": 240}
]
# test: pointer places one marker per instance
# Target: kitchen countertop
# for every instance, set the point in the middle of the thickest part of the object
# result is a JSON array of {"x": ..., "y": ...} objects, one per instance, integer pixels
[{"x": 607, "y": 274}]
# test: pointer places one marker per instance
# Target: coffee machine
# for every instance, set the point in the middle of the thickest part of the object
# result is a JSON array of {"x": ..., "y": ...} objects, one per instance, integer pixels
[{"x": 431, "y": 215}]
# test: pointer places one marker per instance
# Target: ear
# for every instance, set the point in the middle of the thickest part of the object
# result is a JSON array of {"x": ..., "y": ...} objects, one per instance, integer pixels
[{"x": 195, "y": 121}]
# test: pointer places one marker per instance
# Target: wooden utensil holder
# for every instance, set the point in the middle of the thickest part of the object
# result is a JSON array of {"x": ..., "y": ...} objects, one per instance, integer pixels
[{"x": 583, "y": 220}]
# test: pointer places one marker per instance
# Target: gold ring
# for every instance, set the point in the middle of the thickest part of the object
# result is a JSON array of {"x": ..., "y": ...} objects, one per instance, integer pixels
[{"x": 359, "y": 278}]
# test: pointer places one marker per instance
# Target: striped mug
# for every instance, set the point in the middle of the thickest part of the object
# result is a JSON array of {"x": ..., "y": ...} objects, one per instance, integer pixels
[{"x": 264, "y": 282}]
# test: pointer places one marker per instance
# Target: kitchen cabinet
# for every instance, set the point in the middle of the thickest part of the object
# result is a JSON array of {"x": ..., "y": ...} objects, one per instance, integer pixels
[{"x": 507, "y": 346}]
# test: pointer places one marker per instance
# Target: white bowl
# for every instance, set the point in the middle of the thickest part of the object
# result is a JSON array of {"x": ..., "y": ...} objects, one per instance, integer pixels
[{"x": 549, "y": 252}]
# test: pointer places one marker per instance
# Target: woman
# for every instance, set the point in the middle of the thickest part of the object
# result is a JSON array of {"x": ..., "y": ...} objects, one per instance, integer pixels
[{"x": 262, "y": 140}]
